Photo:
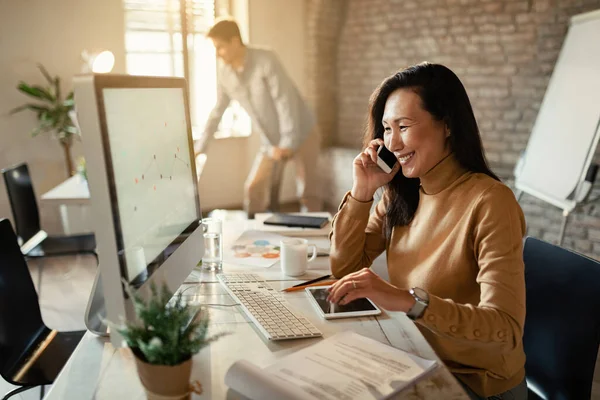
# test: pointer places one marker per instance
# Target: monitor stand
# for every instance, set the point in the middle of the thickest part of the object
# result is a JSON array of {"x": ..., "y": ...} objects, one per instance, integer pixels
[{"x": 95, "y": 312}]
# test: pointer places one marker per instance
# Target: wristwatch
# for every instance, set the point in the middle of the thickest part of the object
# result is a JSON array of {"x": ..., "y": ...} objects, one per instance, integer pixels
[{"x": 421, "y": 303}]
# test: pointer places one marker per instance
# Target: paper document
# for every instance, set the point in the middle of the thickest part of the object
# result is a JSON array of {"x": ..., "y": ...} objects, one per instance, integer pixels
[
  {"x": 254, "y": 248},
  {"x": 347, "y": 366}
]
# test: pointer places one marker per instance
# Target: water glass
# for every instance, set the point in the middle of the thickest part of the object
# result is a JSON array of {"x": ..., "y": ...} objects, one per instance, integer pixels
[{"x": 213, "y": 244}]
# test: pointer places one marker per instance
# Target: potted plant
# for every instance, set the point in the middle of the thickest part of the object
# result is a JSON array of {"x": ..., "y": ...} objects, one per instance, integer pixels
[
  {"x": 52, "y": 112},
  {"x": 164, "y": 338}
]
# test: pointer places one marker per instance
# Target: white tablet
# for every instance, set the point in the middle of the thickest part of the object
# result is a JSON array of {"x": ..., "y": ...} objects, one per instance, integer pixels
[{"x": 356, "y": 308}]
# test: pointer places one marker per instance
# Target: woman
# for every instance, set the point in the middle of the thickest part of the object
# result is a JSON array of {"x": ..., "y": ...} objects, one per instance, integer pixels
[{"x": 452, "y": 232}]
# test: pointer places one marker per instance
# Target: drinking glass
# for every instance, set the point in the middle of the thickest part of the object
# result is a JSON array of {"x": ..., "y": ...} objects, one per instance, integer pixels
[{"x": 213, "y": 244}]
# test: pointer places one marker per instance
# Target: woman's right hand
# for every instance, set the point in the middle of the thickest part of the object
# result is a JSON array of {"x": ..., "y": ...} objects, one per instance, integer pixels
[{"x": 368, "y": 176}]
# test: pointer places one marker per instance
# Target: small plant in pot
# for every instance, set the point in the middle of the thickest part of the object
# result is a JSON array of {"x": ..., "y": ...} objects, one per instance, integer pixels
[{"x": 166, "y": 335}]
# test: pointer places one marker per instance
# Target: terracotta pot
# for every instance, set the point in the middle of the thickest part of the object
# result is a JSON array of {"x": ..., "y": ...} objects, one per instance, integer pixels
[{"x": 165, "y": 382}]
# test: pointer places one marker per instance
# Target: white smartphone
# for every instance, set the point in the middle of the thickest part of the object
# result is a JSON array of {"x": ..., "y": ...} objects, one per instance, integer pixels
[
  {"x": 356, "y": 308},
  {"x": 385, "y": 159}
]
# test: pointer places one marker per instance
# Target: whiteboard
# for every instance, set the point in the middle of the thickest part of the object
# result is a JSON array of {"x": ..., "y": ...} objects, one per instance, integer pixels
[{"x": 565, "y": 134}]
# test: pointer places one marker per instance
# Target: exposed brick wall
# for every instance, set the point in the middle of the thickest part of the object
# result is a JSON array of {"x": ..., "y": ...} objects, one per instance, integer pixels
[
  {"x": 503, "y": 51},
  {"x": 324, "y": 22}
]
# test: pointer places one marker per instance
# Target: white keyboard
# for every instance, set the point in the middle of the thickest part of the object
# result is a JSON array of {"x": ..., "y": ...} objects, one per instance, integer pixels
[{"x": 267, "y": 308}]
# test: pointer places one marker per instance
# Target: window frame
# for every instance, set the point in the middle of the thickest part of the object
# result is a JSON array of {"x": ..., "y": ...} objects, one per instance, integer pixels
[{"x": 181, "y": 24}]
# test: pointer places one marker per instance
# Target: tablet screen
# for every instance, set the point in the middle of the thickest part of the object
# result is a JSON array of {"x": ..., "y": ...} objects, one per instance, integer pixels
[{"x": 320, "y": 295}]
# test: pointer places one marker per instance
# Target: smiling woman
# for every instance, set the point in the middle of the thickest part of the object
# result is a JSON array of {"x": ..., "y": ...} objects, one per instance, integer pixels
[{"x": 452, "y": 231}]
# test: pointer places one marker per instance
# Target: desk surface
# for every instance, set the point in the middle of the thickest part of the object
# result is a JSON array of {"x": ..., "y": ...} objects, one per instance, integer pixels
[
  {"x": 99, "y": 371},
  {"x": 74, "y": 190}
]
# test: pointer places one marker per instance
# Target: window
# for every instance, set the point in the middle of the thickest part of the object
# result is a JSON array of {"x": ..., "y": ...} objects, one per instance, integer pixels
[{"x": 154, "y": 46}]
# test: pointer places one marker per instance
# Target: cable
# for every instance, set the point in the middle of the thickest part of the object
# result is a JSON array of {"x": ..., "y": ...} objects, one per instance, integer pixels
[
  {"x": 189, "y": 287},
  {"x": 219, "y": 305},
  {"x": 207, "y": 304}
]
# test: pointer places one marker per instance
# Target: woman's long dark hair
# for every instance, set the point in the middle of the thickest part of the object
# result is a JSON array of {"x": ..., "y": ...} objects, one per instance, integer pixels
[{"x": 445, "y": 98}]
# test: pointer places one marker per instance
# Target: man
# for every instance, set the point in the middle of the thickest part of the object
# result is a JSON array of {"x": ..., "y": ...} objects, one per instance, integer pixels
[{"x": 256, "y": 79}]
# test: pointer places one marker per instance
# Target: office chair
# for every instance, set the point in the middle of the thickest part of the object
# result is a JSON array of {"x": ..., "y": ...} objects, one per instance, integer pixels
[
  {"x": 27, "y": 219},
  {"x": 31, "y": 354},
  {"x": 562, "y": 325}
]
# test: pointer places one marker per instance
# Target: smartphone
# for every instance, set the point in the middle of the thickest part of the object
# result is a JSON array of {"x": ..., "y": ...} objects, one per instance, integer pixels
[{"x": 386, "y": 159}]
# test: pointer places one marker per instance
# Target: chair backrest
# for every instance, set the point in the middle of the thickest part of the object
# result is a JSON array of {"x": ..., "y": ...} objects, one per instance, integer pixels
[
  {"x": 22, "y": 200},
  {"x": 20, "y": 317},
  {"x": 562, "y": 326}
]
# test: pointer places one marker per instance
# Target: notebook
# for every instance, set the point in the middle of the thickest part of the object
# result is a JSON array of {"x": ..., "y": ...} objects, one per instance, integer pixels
[
  {"x": 295, "y": 231},
  {"x": 298, "y": 221}
]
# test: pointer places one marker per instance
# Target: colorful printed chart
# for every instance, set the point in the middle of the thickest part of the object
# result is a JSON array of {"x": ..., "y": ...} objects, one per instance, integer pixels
[
  {"x": 258, "y": 248},
  {"x": 255, "y": 248}
]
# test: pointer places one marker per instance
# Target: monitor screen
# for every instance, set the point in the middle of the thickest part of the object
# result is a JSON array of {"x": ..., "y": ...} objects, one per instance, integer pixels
[{"x": 152, "y": 184}]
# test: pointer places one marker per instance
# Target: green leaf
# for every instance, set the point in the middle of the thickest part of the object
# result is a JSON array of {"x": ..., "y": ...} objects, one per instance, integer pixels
[
  {"x": 57, "y": 87},
  {"x": 69, "y": 103},
  {"x": 18, "y": 109},
  {"x": 40, "y": 129},
  {"x": 46, "y": 74},
  {"x": 45, "y": 93},
  {"x": 46, "y": 117},
  {"x": 71, "y": 129},
  {"x": 32, "y": 91},
  {"x": 32, "y": 107}
]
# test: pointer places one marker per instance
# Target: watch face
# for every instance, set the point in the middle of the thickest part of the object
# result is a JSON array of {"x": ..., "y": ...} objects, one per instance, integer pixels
[{"x": 421, "y": 294}]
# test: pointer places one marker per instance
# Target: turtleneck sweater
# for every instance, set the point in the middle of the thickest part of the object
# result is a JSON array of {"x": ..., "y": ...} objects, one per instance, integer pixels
[{"x": 464, "y": 247}]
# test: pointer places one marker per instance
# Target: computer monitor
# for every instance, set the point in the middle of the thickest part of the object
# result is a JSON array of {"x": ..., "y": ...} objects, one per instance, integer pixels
[{"x": 141, "y": 173}]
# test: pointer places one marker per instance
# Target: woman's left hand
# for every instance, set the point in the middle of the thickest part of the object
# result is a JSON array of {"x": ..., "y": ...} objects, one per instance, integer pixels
[{"x": 366, "y": 283}]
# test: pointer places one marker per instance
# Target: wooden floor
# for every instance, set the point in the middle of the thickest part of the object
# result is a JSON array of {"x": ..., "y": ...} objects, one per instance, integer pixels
[{"x": 66, "y": 285}]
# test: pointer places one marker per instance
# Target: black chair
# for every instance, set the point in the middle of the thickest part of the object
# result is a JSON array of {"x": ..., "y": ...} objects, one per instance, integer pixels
[
  {"x": 31, "y": 354},
  {"x": 27, "y": 219},
  {"x": 562, "y": 326}
]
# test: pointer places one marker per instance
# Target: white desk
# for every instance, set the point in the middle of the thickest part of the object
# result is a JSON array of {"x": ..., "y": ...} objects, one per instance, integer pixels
[
  {"x": 99, "y": 371},
  {"x": 73, "y": 198},
  {"x": 73, "y": 191}
]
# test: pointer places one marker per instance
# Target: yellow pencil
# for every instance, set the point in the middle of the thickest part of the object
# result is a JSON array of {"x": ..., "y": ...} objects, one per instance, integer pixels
[{"x": 297, "y": 288}]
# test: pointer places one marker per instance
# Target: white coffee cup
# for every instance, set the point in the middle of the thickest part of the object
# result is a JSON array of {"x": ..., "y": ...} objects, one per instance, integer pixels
[{"x": 293, "y": 253}]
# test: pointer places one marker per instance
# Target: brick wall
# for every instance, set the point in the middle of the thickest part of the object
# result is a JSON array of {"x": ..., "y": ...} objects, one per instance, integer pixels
[
  {"x": 324, "y": 23},
  {"x": 503, "y": 51}
]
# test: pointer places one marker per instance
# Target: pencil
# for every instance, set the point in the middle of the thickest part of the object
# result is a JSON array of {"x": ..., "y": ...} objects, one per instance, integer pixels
[
  {"x": 321, "y": 278},
  {"x": 298, "y": 288}
]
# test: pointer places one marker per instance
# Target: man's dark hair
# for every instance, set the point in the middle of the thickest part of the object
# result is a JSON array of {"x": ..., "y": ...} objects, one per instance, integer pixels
[
  {"x": 445, "y": 98},
  {"x": 225, "y": 29}
]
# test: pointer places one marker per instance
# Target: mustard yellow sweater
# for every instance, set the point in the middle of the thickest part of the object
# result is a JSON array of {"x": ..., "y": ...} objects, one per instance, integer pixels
[{"x": 464, "y": 247}]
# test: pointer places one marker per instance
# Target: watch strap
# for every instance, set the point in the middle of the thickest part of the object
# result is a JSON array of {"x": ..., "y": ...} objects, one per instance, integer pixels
[{"x": 418, "y": 309}]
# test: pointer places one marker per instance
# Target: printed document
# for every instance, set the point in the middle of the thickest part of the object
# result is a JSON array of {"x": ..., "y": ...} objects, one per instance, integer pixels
[{"x": 346, "y": 366}]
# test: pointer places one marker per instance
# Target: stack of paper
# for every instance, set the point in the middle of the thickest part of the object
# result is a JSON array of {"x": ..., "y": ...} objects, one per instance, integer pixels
[{"x": 344, "y": 366}]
